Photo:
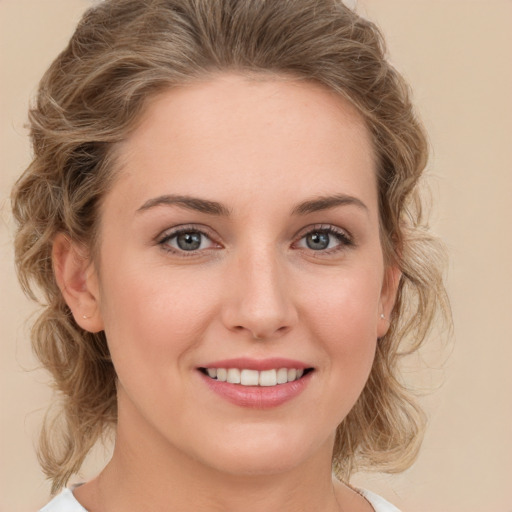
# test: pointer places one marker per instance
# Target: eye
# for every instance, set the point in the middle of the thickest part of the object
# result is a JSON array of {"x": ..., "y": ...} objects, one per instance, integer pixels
[
  {"x": 325, "y": 238},
  {"x": 186, "y": 240}
]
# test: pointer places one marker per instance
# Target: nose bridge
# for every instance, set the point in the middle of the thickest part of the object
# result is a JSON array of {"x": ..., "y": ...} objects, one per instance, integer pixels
[{"x": 261, "y": 301}]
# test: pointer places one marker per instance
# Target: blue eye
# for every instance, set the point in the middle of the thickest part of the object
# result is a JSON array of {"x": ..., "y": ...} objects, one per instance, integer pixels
[
  {"x": 324, "y": 239},
  {"x": 318, "y": 241},
  {"x": 189, "y": 241},
  {"x": 186, "y": 240}
]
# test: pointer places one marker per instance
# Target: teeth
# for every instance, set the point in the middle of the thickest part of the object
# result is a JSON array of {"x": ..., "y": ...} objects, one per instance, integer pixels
[
  {"x": 250, "y": 377},
  {"x": 233, "y": 376},
  {"x": 282, "y": 376},
  {"x": 268, "y": 378},
  {"x": 247, "y": 377}
]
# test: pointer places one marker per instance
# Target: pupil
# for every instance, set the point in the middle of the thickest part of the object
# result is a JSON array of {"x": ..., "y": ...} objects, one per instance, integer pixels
[
  {"x": 318, "y": 241},
  {"x": 189, "y": 241}
]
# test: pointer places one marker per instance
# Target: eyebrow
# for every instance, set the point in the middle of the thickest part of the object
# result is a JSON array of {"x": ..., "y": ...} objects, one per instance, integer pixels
[
  {"x": 191, "y": 203},
  {"x": 214, "y": 208},
  {"x": 321, "y": 203}
]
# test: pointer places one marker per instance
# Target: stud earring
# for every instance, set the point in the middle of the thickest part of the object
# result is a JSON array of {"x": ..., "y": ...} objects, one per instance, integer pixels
[
  {"x": 382, "y": 316},
  {"x": 85, "y": 317}
]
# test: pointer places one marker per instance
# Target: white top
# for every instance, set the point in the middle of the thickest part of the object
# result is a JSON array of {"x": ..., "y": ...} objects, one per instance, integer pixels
[
  {"x": 66, "y": 502},
  {"x": 377, "y": 502}
]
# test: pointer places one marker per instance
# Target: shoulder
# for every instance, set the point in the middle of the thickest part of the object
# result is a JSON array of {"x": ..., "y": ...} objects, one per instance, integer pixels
[
  {"x": 64, "y": 502},
  {"x": 378, "y": 503}
]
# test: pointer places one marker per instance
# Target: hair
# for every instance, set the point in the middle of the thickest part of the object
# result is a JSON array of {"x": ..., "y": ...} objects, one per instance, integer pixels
[{"x": 122, "y": 53}]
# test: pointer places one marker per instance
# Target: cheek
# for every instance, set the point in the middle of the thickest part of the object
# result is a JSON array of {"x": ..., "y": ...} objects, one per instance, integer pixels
[
  {"x": 153, "y": 317},
  {"x": 345, "y": 324},
  {"x": 346, "y": 306},
  {"x": 344, "y": 317}
]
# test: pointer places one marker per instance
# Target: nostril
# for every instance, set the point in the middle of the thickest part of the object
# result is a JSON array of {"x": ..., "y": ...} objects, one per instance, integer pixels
[{"x": 259, "y": 330}]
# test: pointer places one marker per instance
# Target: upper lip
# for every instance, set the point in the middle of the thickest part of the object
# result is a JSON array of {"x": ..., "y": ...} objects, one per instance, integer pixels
[{"x": 257, "y": 364}]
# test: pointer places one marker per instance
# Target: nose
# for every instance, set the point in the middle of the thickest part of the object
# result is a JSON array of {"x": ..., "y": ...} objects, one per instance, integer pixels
[{"x": 259, "y": 297}]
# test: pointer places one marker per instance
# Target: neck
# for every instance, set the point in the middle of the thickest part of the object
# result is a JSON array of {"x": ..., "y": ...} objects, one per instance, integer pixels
[
  {"x": 147, "y": 472},
  {"x": 136, "y": 479}
]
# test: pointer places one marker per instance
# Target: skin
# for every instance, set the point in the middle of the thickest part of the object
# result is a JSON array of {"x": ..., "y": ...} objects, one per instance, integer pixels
[{"x": 253, "y": 289}]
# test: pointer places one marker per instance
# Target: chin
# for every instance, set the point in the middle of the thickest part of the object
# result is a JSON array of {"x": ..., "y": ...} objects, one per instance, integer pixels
[
  {"x": 258, "y": 454},
  {"x": 258, "y": 464}
]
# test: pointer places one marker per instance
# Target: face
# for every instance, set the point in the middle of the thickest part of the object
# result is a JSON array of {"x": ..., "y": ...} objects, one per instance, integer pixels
[{"x": 240, "y": 279}]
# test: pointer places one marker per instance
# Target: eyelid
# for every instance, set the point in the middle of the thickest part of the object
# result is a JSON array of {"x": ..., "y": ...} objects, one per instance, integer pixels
[
  {"x": 170, "y": 233},
  {"x": 344, "y": 237}
]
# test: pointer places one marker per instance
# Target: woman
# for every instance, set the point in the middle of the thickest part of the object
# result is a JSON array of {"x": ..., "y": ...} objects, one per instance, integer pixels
[{"x": 222, "y": 213}]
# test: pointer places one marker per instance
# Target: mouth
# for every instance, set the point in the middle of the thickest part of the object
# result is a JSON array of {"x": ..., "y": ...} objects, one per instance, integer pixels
[
  {"x": 256, "y": 383},
  {"x": 250, "y": 377}
]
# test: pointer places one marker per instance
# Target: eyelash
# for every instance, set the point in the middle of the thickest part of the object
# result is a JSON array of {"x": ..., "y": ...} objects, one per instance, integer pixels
[
  {"x": 344, "y": 239},
  {"x": 168, "y": 236}
]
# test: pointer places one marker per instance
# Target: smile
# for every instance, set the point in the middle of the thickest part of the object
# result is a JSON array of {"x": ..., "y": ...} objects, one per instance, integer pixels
[
  {"x": 250, "y": 377},
  {"x": 256, "y": 383}
]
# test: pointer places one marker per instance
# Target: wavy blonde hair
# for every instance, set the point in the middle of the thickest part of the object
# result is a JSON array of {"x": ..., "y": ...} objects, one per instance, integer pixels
[{"x": 124, "y": 52}]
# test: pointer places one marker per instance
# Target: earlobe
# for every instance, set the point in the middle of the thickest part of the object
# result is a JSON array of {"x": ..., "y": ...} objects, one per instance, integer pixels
[
  {"x": 389, "y": 291},
  {"x": 77, "y": 280}
]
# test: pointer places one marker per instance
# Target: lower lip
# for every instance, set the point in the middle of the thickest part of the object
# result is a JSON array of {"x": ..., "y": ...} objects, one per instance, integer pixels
[{"x": 258, "y": 397}]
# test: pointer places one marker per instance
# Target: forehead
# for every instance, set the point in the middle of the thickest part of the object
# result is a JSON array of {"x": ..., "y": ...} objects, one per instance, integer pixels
[{"x": 235, "y": 135}]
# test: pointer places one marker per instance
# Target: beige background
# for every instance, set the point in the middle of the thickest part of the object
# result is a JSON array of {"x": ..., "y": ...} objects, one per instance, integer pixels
[{"x": 457, "y": 54}]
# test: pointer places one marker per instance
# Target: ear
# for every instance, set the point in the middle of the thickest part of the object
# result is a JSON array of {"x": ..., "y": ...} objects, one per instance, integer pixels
[
  {"x": 392, "y": 276},
  {"x": 78, "y": 282}
]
